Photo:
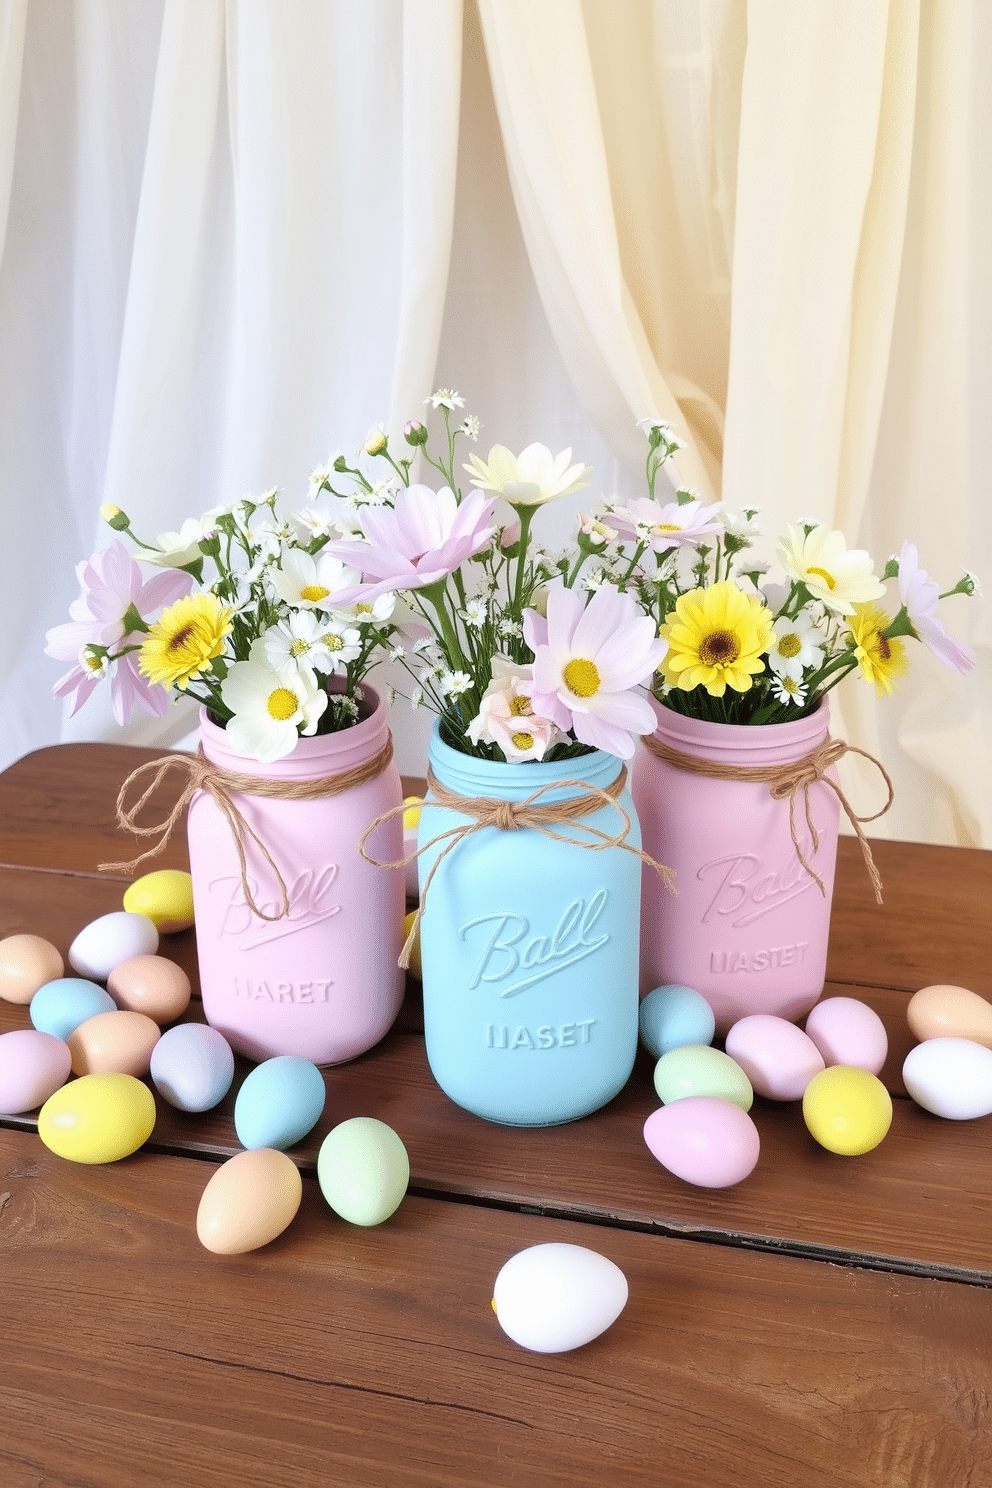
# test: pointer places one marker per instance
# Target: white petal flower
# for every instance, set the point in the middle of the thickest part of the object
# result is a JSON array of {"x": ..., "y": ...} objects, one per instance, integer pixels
[
  {"x": 787, "y": 690},
  {"x": 177, "y": 549},
  {"x": 453, "y": 684},
  {"x": 530, "y": 478},
  {"x": 445, "y": 398},
  {"x": 308, "y": 582},
  {"x": 271, "y": 708},
  {"x": 838, "y": 576},
  {"x": 303, "y": 641},
  {"x": 798, "y": 645}
]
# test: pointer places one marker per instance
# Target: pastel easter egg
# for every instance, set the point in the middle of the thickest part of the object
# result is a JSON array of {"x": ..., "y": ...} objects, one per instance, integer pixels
[
  {"x": 674, "y": 1015},
  {"x": 944, "y": 1011},
  {"x": 952, "y": 1077},
  {"x": 151, "y": 985},
  {"x": 192, "y": 1066},
  {"x": 847, "y": 1109},
  {"x": 777, "y": 1057},
  {"x": 113, "y": 1043},
  {"x": 415, "y": 967},
  {"x": 98, "y": 1118},
  {"x": 705, "y": 1141},
  {"x": 105, "y": 943},
  {"x": 33, "y": 1066},
  {"x": 848, "y": 1032},
  {"x": 280, "y": 1101},
  {"x": 249, "y": 1200},
  {"x": 363, "y": 1170},
  {"x": 166, "y": 897},
  {"x": 554, "y": 1297},
  {"x": 60, "y": 1006},
  {"x": 699, "y": 1069},
  {"x": 26, "y": 963}
]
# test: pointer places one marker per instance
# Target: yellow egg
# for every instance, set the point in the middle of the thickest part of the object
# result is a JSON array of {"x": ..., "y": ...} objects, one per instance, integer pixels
[
  {"x": 98, "y": 1118},
  {"x": 847, "y": 1110},
  {"x": 415, "y": 969},
  {"x": 411, "y": 816},
  {"x": 249, "y": 1201},
  {"x": 166, "y": 897}
]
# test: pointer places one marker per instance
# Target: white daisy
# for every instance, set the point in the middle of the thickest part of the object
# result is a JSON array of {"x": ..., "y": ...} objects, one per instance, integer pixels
[
  {"x": 838, "y": 576},
  {"x": 453, "y": 684},
  {"x": 271, "y": 708},
  {"x": 475, "y": 613},
  {"x": 177, "y": 549},
  {"x": 788, "y": 690},
  {"x": 798, "y": 645},
  {"x": 445, "y": 398},
  {"x": 310, "y": 582},
  {"x": 370, "y": 611},
  {"x": 303, "y": 641}
]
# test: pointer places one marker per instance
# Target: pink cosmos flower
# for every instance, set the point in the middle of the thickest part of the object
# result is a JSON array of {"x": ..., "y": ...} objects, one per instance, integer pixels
[
  {"x": 112, "y": 582},
  {"x": 588, "y": 658},
  {"x": 417, "y": 542},
  {"x": 920, "y": 594},
  {"x": 669, "y": 526},
  {"x": 506, "y": 715}
]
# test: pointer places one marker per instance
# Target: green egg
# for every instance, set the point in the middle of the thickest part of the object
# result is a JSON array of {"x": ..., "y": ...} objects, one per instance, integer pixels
[
  {"x": 363, "y": 1170},
  {"x": 699, "y": 1069}
]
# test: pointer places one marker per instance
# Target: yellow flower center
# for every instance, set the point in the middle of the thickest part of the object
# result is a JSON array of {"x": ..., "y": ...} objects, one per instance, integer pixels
[
  {"x": 333, "y": 642},
  {"x": 821, "y": 573},
  {"x": 282, "y": 704},
  {"x": 299, "y": 647},
  {"x": 789, "y": 645},
  {"x": 523, "y": 741},
  {"x": 719, "y": 648},
  {"x": 93, "y": 662},
  {"x": 520, "y": 706},
  {"x": 667, "y": 527},
  {"x": 314, "y": 593},
  {"x": 789, "y": 684},
  {"x": 581, "y": 677},
  {"x": 363, "y": 609}
]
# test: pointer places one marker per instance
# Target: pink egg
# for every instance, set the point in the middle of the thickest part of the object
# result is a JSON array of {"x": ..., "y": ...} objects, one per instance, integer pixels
[
  {"x": 777, "y": 1057},
  {"x": 709, "y": 1142},
  {"x": 33, "y": 1065},
  {"x": 848, "y": 1032}
]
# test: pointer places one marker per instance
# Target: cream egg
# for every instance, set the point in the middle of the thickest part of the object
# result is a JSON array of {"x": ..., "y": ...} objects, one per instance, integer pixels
[
  {"x": 26, "y": 963},
  {"x": 151, "y": 985},
  {"x": 113, "y": 1043},
  {"x": 249, "y": 1200},
  {"x": 554, "y": 1297},
  {"x": 777, "y": 1057},
  {"x": 944, "y": 1011},
  {"x": 105, "y": 943}
]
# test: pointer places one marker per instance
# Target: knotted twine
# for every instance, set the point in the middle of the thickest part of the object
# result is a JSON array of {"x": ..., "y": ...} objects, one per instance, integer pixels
[
  {"x": 512, "y": 816},
  {"x": 789, "y": 780},
  {"x": 221, "y": 786}
]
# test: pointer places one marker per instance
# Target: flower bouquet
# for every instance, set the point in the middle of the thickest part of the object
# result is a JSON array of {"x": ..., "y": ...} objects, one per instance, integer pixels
[{"x": 297, "y": 935}]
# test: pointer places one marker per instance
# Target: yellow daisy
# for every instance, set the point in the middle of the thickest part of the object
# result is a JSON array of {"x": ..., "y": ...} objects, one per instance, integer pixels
[
  {"x": 717, "y": 638},
  {"x": 880, "y": 657},
  {"x": 184, "y": 640}
]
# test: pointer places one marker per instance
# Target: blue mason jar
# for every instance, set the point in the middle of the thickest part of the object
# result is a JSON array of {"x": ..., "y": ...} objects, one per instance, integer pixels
[{"x": 529, "y": 946}]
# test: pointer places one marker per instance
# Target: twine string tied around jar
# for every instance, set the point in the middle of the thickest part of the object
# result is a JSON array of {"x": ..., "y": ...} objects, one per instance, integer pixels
[
  {"x": 787, "y": 780},
  {"x": 513, "y": 816},
  {"x": 222, "y": 786}
]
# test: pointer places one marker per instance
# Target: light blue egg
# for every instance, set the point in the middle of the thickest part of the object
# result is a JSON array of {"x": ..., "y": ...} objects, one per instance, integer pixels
[
  {"x": 192, "y": 1066},
  {"x": 60, "y": 1006},
  {"x": 279, "y": 1102},
  {"x": 674, "y": 1015}
]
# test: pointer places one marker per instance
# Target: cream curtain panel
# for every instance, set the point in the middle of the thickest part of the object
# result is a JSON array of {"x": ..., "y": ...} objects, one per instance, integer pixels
[{"x": 239, "y": 232}]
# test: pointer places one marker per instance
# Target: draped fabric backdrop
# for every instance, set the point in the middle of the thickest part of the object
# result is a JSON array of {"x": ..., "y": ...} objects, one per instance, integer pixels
[{"x": 237, "y": 233}]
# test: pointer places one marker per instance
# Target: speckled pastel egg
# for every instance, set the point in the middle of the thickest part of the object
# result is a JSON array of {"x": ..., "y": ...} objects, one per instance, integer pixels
[
  {"x": 952, "y": 1077},
  {"x": 674, "y": 1015},
  {"x": 699, "y": 1069},
  {"x": 250, "y": 1200},
  {"x": 113, "y": 1043},
  {"x": 60, "y": 1006},
  {"x": 280, "y": 1101},
  {"x": 705, "y": 1141},
  {"x": 192, "y": 1066},
  {"x": 554, "y": 1297},
  {"x": 847, "y": 1109},
  {"x": 944, "y": 1011},
  {"x": 778, "y": 1058},
  {"x": 849, "y": 1032},
  {"x": 151, "y": 985},
  {"x": 33, "y": 1066},
  {"x": 105, "y": 943},
  {"x": 26, "y": 963},
  {"x": 363, "y": 1170},
  {"x": 98, "y": 1118},
  {"x": 166, "y": 897}
]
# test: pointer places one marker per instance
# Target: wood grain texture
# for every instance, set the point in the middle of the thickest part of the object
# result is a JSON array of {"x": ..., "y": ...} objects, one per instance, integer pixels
[{"x": 338, "y": 1356}]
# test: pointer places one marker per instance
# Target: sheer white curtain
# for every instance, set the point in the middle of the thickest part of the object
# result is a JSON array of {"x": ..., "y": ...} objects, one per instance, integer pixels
[{"x": 240, "y": 232}]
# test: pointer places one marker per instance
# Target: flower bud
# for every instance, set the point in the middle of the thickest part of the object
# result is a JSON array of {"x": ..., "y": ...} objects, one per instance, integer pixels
[
  {"x": 114, "y": 517},
  {"x": 414, "y": 433},
  {"x": 376, "y": 441}
]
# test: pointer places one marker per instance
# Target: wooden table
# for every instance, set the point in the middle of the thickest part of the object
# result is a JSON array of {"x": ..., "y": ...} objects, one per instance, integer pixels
[{"x": 826, "y": 1322}]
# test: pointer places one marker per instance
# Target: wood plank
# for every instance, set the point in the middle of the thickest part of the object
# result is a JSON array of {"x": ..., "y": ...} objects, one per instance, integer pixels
[
  {"x": 338, "y": 1356},
  {"x": 922, "y": 1201}
]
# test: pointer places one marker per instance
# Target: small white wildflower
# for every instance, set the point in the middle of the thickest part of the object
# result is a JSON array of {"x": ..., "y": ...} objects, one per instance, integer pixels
[
  {"x": 756, "y": 565},
  {"x": 474, "y": 613},
  {"x": 594, "y": 579},
  {"x": 511, "y": 629},
  {"x": 453, "y": 684},
  {"x": 421, "y": 647},
  {"x": 391, "y": 695},
  {"x": 788, "y": 690},
  {"x": 417, "y": 698},
  {"x": 445, "y": 398},
  {"x": 470, "y": 426},
  {"x": 742, "y": 523},
  {"x": 397, "y": 653}
]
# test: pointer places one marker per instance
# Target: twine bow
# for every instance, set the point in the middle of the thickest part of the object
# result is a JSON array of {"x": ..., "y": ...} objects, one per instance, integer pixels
[
  {"x": 514, "y": 816},
  {"x": 789, "y": 780},
  {"x": 221, "y": 786}
]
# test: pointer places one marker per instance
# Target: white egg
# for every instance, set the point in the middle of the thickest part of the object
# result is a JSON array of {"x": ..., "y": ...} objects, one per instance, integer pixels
[
  {"x": 555, "y": 1297},
  {"x": 951, "y": 1077},
  {"x": 105, "y": 943}
]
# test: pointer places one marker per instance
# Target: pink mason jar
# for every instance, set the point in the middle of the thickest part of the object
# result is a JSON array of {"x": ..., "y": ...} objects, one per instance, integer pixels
[
  {"x": 321, "y": 982},
  {"x": 748, "y": 927}
]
